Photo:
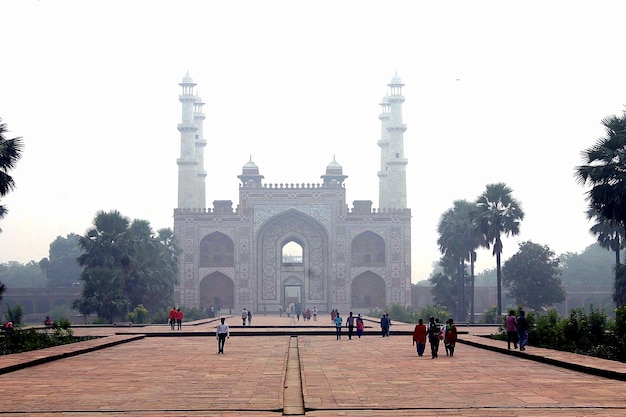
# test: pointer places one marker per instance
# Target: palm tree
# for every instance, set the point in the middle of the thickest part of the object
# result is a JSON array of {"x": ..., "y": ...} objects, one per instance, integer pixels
[
  {"x": 609, "y": 234},
  {"x": 605, "y": 172},
  {"x": 10, "y": 153},
  {"x": 458, "y": 239},
  {"x": 131, "y": 259},
  {"x": 498, "y": 214}
]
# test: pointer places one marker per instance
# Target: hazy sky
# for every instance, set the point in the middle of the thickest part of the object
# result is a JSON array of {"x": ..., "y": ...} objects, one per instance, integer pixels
[{"x": 496, "y": 91}]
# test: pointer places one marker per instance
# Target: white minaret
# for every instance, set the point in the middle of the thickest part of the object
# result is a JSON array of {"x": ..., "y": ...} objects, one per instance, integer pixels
[
  {"x": 188, "y": 162},
  {"x": 198, "y": 118},
  {"x": 392, "y": 174}
]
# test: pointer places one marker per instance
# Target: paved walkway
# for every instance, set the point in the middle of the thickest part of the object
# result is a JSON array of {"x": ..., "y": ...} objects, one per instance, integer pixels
[{"x": 274, "y": 369}]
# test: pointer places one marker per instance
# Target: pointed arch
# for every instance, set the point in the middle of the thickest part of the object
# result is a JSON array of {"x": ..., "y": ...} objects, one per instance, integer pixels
[
  {"x": 368, "y": 249},
  {"x": 313, "y": 271},
  {"x": 368, "y": 291},
  {"x": 217, "y": 250},
  {"x": 217, "y": 289}
]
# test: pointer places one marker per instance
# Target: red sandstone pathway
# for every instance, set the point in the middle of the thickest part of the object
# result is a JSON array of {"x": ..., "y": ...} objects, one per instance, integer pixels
[{"x": 371, "y": 376}]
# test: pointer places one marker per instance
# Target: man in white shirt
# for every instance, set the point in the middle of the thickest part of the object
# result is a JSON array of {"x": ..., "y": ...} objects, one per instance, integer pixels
[{"x": 222, "y": 333}]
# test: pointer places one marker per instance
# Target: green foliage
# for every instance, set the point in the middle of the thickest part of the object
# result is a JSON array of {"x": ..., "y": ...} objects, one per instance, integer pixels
[
  {"x": 61, "y": 268},
  {"x": 445, "y": 284},
  {"x": 549, "y": 331},
  {"x": 160, "y": 316},
  {"x": 583, "y": 331},
  {"x": 437, "y": 311},
  {"x": 499, "y": 214},
  {"x": 126, "y": 265},
  {"x": 396, "y": 312},
  {"x": 194, "y": 313},
  {"x": 15, "y": 314},
  {"x": 619, "y": 289},
  {"x": 10, "y": 153},
  {"x": 139, "y": 315},
  {"x": 593, "y": 267},
  {"x": 17, "y": 275},
  {"x": 619, "y": 331},
  {"x": 487, "y": 278},
  {"x": 533, "y": 266},
  {"x": 24, "y": 340},
  {"x": 490, "y": 316}
]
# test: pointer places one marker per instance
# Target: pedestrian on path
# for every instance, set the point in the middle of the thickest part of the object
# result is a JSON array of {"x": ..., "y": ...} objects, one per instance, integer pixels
[
  {"x": 511, "y": 330},
  {"x": 179, "y": 319},
  {"x": 384, "y": 325},
  {"x": 522, "y": 330},
  {"x": 434, "y": 333},
  {"x": 249, "y": 317},
  {"x": 314, "y": 313},
  {"x": 338, "y": 322},
  {"x": 244, "y": 316},
  {"x": 450, "y": 337},
  {"x": 172, "y": 318},
  {"x": 359, "y": 326},
  {"x": 221, "y": 334},
  {"x": 350, "y": 325},
  {"x": 419, "y": 337}
]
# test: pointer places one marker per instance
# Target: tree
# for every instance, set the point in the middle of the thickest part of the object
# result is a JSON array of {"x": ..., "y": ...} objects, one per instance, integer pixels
[
  {"x": 10, "y": 153},
  {"x": 445, "y": 283},
  {"x": 61, "y": 267},
  {"x": 458, "y": 239},
  {"x": 498, "y": 214},
  {"x": 126, "y": 265},
  {"x": 590, "y": 268},
  {"x": 17, "y": 275},
  {"x": 604, "y": 171},
  {"x": 610, "y": 235},
  {"x": 533, "y": 276}
]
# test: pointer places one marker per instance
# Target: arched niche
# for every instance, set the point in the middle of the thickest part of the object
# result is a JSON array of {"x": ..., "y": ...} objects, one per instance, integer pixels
[
  {"x": 368, "y": 291},
  {"x": 217, "y": 289},
  {"x": 217, "y": 250},
  {"x": 368, "y": 249}
]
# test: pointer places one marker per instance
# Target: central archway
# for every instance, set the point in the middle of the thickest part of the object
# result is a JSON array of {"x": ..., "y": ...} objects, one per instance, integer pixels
[{"x": 312, "y": 269}]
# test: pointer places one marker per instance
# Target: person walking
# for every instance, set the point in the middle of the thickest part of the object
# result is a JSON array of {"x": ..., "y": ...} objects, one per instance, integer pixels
[
  {"x": 350, "y": 325},
  {"x": 511, "y": 330},
  {"x": 172, "y": 318},
  {"x": 179, "y": 318},
  {"x": 359, "y": 326},
  {"x": 314, "y": 313},
  {"x": 522, "y": 330},
  {"x": 434, "y": 333},
  {"x": 384, "y": 325},
  {"x": 450, "y": 337},
  {"x": 249, "y": 317},
  {"x": 419, "y": 337},
  {"x": 221, "y": 334},
  {"x": 244, "y": 316},
  {"x": 338, "y": 323}
]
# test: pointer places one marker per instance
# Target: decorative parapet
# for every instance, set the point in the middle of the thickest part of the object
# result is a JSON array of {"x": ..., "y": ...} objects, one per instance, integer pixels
[
  {"x": 302, "y": 186},
  {"x": 381, "y": 212}
]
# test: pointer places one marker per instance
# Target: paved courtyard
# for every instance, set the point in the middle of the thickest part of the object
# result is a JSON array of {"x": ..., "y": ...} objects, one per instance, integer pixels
[{"x": 305, "y": 371}]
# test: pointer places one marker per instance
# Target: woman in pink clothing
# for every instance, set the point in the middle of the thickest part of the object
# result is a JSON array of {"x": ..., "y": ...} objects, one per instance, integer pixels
[
  {"x": 359, "y": 326},
  {"x": 511, "y": 329}
]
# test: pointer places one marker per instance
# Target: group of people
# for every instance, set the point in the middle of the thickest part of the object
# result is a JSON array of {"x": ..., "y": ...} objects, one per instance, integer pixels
[
  {"x": 435, "y": 332},
  {"x": 175, "y": 319},
  {"x": 352, "y": 322},
  {"x": 516, "y": 330},
  {"x": 246, "y": 315}
]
